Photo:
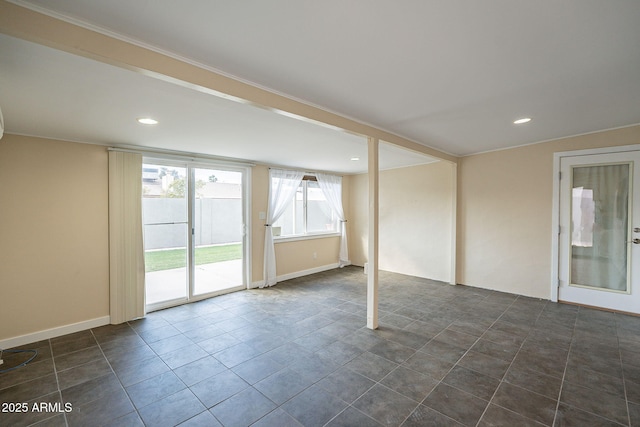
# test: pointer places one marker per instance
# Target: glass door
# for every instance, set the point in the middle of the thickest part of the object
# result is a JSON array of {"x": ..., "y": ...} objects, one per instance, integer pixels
[
  {"x": 194, "y": 231},
  {"x": 599, "y": 241},
  {"x": 166, "y": 233},
  {"x": 218, "y": 230}
]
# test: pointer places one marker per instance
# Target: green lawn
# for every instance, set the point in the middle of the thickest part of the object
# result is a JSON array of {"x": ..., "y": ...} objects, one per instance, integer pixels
[{"x": 176, "y": 258}]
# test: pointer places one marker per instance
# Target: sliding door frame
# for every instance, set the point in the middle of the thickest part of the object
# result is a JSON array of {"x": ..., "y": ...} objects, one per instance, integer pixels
[{"x": 191, "y": 164}]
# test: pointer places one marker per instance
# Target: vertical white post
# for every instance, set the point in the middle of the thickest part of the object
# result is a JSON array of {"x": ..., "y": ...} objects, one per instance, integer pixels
[{"x": 372, "y": 271}]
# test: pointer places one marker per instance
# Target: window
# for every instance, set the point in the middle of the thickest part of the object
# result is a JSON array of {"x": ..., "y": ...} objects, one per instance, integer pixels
[{"x": 309, "y": 213}]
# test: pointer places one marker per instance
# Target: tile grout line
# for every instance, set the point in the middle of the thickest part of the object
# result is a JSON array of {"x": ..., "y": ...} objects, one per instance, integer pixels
[{"x": 512, "y": 360}]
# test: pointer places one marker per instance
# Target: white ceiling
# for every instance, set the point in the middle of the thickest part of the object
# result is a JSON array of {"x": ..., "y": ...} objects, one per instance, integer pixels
[{"x": 449, "y": 74}]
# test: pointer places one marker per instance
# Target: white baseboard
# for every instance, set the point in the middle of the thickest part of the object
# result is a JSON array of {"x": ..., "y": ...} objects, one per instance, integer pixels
[
  {"x": 54, "y": 332},
  {"x": 296, "y": 274}
]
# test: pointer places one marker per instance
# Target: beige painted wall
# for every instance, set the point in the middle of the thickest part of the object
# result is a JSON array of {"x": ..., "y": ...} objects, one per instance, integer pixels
[
  {"x": 416, "y": 211},
  {"x": 54, "y": 248},
  {"x": 504, "y": 213}
]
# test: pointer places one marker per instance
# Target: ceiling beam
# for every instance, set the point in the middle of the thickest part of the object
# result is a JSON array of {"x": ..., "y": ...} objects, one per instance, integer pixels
[{"x": 27, "y": 24}]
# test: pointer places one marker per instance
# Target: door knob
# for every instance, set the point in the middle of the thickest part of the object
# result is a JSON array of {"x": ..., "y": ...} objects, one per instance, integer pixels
[
  {"x": 636, "y": 230},
  {"x": 636, "y": 241}
]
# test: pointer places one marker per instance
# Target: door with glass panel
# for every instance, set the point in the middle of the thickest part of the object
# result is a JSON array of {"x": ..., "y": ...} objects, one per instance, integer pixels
[
  {"x": 599, "y": 246},
  {"x": 194, "y": 232}
]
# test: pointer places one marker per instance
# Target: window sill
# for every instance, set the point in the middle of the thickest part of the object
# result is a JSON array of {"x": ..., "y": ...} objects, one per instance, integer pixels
[{"x": 283, "y": 239}]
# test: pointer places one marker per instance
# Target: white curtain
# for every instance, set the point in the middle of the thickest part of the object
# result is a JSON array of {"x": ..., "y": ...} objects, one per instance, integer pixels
[
  {"x": 283, "y": 185},
  {"x": 331, "y": 186},
  {"x": 126, "y": 250}
]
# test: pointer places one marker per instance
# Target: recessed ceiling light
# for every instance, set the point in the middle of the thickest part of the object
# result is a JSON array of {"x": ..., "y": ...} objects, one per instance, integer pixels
[
  {"x": 522, "y": 121},
  {"x": 355, "y": 159},
  {"x": 147, "y": 121}
]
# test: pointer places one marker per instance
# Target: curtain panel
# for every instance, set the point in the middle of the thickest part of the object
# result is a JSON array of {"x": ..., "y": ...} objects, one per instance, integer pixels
[
  {"x": 126, "y": 249},
  {"x": 331, "y": 186},
  {"x": 283, "y": 184}
]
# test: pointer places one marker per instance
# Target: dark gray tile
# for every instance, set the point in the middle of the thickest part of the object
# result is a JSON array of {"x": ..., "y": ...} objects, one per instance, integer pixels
[
  {"x": 203, "y": 419},
  {"x": 79, "y": 357},
  {"x": 339, "y": 352},
  {"x": 218, "y": 343},
  {"x": 385, "y": 405},
  {"x": 101, "y": 411},
  {"x": 83, "y": 373},
  {"x": 314, "y": 407},
  {"x": 155, "y": 388},
  {"x": 410, "y": 383},
  {"x": 392, "y": 351},
  {"x": 219, "y": 387},
  {"x": 243, "y": 409},
  {"x": 587, "y": 378},
  {"x": 140, "y": 372},
  {"x": 429, "y": 365},
  {"x": 534, "y": 381},
  {"x": 457, "y": 339},
  {"x": 346, "y": 384},
  {"x": 91, "y": 390},
  {"x": 472, "y": 382},
  {"x": 236, "y": 354},
  {"x": 499, "y": 351},
  {"x": 72, "y": 342},
  {"x": 36, "y": 370},
  {"x": 351, "y": 417},
  {"x": 277, "y": 418},
  {"x": 257, "y": 369},
  {"x": 605, "y": 405},
  {"x": 456, "y": 404},
  {"x": 371, "y": 366},
  {"x": 424, "y": 416},
  {"x": 156, "y": 334},
  {"x": 30, "y": 389},
  {"x": 29, "y": 416},
  {"x": 569, "y": 416},
  {"x": 484, "y": 364},
  {"x": 132, "y": 419},
  {"x": 183, "y": 356},
  {"x": 199, "y": 370},
  {"x": 634, "y": 414},
  {"x": 172, "y": 409},
  {"x": 283, "y": 385},
  {"x": 443, "y": 350},
  {"x": 526, "y": 403},
  {"x": 167, "y": 345},
  {"x": 497, "y": 416}
]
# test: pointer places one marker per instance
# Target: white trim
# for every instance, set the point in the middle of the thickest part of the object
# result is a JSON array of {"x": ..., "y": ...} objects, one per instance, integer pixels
[
  {"x": 454, "y": 224},
  {"x": 548, "y": 140},
  {"x": 297, "y": 237},
  {"x": 54, "y": 332},
  {"x": 297, "y": 274},
  {"x": 555, "y": 203}
]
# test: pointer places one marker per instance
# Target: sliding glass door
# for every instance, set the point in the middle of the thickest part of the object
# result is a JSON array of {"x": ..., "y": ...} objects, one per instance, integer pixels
[
  {"x": 218, "y": 230},
  {"x": 194, "y": 231}
]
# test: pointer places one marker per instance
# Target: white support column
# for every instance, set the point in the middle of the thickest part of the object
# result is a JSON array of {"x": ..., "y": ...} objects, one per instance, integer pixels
[{"x": 372, "y": 270}]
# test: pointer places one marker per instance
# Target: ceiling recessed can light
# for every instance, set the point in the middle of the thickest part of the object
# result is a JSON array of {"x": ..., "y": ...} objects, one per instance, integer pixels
[
  {"x": 147, "y": 121},
  {"x": 355, "y": 159},
  {"x": 522, "y": 121}
]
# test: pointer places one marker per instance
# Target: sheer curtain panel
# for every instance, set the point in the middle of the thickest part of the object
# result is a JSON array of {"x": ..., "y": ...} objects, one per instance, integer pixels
[
  {"x": 126, "y": 250},
  {"x": 331, "y": 186},
  {"x": 283, "y": 184}
]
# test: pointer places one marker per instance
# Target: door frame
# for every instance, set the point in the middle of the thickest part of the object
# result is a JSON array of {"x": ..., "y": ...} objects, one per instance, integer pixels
[
  {"x": 196, "y": 162},
  {"x": 555, "y": 218}
]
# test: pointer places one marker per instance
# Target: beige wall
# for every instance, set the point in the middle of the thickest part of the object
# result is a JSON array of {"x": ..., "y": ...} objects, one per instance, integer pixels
[
  {"x": 416, "y": 212},
  {"x": 504, "y": 213},
  {"x": 54, "y": 248}
]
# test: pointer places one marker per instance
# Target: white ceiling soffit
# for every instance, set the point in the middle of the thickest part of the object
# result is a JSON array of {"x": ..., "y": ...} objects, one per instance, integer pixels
[
  {"x": 54, "y": 94},
  {"x": 452, "y": 75}
]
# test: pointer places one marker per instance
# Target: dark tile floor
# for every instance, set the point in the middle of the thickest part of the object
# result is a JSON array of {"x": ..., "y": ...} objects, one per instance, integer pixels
[{"x": 299, "y": 354}]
